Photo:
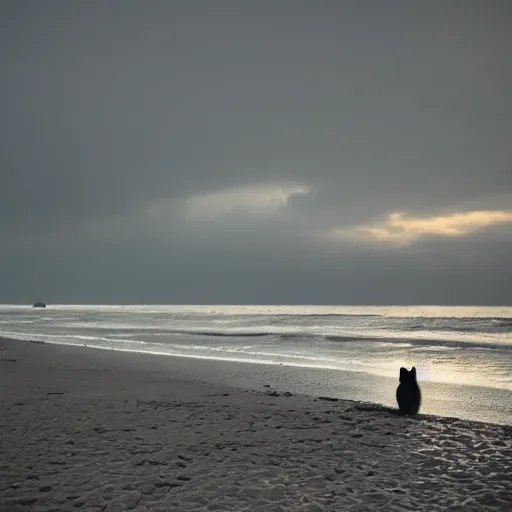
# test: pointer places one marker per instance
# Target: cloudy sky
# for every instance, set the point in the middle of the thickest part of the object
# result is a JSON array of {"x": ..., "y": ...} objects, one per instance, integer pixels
[{"x": 270, "y": 151}]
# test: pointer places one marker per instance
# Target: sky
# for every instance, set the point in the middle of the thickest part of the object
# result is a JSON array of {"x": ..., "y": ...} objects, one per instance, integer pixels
[{"x": 243, "y": 152}]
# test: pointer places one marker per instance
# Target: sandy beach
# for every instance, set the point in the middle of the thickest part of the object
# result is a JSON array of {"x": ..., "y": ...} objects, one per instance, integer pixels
[{"x": 98, "y": 430}]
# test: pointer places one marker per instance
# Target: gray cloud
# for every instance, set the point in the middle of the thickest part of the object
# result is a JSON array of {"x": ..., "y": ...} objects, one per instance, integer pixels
[{"x": 116, "y": 116}]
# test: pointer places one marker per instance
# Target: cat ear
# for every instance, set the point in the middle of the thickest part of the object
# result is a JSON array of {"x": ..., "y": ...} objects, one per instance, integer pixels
[
  {"x": 413, "y": 372},
  {"x": 403, "y": 374}
]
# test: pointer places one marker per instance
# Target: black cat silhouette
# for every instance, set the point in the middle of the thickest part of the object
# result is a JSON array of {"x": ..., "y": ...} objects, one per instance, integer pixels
[{"x": 408, "y": 394}]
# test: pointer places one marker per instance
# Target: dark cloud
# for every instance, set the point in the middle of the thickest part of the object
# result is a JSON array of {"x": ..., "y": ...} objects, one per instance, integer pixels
[{"x": 110, "y": 110}]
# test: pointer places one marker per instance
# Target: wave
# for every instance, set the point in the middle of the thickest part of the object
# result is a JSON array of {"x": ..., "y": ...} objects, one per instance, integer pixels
[
  {"x": 274, "y": 333},
  {"x": 224, "y": 334},
  {"x": 419, "y": 338},
  {"x": 327, "y": 315},
  {"x": 430, "y": 343},
  {"x": 265, "y": 325},
  {"x": 305, "y": 328},
  {"x": 427, "y": 339}
]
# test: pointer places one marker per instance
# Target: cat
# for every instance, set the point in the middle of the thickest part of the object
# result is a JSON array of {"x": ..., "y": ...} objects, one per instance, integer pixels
[{"x": 408, "y": 394}]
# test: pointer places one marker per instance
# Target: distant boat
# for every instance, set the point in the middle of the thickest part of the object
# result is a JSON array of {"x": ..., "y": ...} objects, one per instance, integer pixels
[{"x": 39, "y": 305}]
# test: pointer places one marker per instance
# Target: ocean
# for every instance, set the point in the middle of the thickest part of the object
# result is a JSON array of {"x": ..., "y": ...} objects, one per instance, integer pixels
[{"x": 462, "y": 354}]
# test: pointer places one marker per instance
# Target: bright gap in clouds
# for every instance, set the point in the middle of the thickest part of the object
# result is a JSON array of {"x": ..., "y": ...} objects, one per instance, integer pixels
[
  {"x": 401, "y": 229},
  {"x": 259, "y": 199}
]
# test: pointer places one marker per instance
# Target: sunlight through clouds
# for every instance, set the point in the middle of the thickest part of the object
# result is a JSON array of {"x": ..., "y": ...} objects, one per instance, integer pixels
[
  {"x": 258, "y": 199},
  {"x": 402, "y": 229}
]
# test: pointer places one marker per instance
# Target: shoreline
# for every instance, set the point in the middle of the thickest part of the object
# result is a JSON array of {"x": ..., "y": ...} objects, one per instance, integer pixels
[{"x": 440, "y": 399}]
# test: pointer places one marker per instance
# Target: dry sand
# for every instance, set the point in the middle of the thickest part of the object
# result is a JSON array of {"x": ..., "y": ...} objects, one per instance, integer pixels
[{"x": 86, "y": 429}]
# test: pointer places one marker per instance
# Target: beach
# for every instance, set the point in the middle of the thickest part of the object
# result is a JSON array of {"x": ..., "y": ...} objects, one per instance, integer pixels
[
  {"x": 105, "y": 430},
  {"x": 463, "y": 355}
]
